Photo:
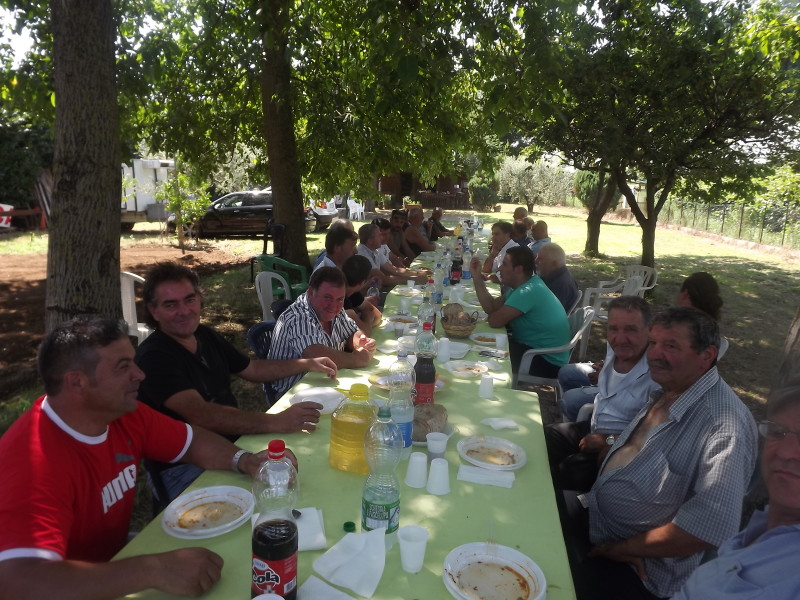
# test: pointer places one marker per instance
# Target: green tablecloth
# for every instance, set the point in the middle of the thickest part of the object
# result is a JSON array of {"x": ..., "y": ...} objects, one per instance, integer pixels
[{"x": 523, "y": 517}]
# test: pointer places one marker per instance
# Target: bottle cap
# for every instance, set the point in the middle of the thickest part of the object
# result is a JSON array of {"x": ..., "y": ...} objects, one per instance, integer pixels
[
  {"x": 349, "y": 526},
  {"x": 427, "y": 326},
  {"x": 359, "y": 391},
  {"x": 276, "y": 449}
]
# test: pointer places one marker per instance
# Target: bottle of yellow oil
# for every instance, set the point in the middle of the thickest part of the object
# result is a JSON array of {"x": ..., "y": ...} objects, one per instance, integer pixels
[{"x": 349, "y": 423}]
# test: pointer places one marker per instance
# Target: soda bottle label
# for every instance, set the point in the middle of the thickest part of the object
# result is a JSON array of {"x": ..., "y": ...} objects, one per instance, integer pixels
[
  {"x": 375, "y": 516},
  {"x": 425, "y": 393},
  {"x": 406, "y": 430},
  {"x": 274, "y": 576},
  {"x": 437, "y": 296}
]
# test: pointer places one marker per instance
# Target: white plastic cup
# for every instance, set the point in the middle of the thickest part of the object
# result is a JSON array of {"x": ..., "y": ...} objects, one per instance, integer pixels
[
  {"x": 410, "y": 283},
  {"x": 437, "y": 444},
  {"x": 439, "y": 477},
  {"x": 399, "y": 329},
  {"x": 486, "y": 388},
  {"x": 501, "y": 341},
  {"x": 443, "y": 355},
  {"x": 417, "y": 473},
  {"x": 405, "y": 304},
  {"x": 413, "y": 540}
]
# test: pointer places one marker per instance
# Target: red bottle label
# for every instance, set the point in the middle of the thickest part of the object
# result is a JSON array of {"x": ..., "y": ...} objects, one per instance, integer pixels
[
  {"x": 424, "y": 393},
  {"x": 274, "y": 576}
]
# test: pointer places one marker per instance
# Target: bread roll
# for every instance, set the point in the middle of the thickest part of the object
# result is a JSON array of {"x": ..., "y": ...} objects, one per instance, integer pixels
[{"x": 428, "y": 418}]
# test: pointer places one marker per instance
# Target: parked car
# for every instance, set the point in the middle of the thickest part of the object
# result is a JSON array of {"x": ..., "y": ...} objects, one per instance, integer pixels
[
  {"x": 239, "y": 214},
  {"x": 325, "y": 211}
]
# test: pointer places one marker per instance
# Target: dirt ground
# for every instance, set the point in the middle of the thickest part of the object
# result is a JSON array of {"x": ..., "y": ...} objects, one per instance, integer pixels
[{"x": 22, "y": 300}]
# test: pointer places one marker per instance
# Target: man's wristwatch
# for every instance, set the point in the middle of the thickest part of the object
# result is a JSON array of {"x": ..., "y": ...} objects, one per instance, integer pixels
[
  {"x": 610, "y": 439},
  {"x": 236, "y": 458}
]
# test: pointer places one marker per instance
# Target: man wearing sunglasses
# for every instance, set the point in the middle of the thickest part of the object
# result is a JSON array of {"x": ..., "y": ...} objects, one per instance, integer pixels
[{"x": 761, "y": 560}]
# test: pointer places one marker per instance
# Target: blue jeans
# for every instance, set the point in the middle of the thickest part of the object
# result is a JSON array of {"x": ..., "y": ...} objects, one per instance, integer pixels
[
  {"x": 574, "y": 375},
  {"x": 572, "y": 401},
  {"x": 173, "y": 481}
]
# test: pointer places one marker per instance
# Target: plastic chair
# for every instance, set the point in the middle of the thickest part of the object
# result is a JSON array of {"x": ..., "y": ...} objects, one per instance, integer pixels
[
  {"x": 295, "y": 275},
  {"x": 259, "y": 339},
  {"x": 270, "y": 287},
  {"x": 648, "y": 275},
  {"x": 599, "y": 297},
  {"x": 274, "y": 232},
  {"x": 355, "y": 209},
  {"x": 579, "y": 323},
  {"x": 127, "y": 282}
]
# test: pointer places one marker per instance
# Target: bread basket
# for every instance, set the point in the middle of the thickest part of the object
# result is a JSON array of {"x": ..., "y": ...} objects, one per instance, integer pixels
[{"x": 457, "y": 323}]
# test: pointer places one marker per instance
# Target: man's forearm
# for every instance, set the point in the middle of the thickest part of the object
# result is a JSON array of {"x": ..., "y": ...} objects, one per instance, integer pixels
[
  {"x": 343, "y": 360},
  {"x": 665, "y": 541}
]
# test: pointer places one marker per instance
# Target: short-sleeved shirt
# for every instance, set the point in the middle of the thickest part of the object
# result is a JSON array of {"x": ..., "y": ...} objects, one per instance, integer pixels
[
  {"x": 564, "y": 287},
  {"x": 298, "y": 328},
  {"x": 325, "y": 262},
  {"x": 536, "y": 245},
  {"x": 692, "y": 471},
  {"x": 543, "y": 322},
  {"x": 376, "y": 258},
  {"x": 170, "y": 368},
  {"x": 755, "y": 563},
  {"x": 67, "y": 495}
]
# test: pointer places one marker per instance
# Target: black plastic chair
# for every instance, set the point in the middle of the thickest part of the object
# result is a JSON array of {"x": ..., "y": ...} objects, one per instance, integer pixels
[{"x": 259, "y": 338}]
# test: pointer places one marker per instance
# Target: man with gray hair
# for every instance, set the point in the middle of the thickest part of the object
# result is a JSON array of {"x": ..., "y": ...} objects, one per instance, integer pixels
[
  {"x": 576, "y": 449},
  {"x": 671, "y": 487},
  {"x": 416, "y": 234},
  {"x": 551, "y": 266}
]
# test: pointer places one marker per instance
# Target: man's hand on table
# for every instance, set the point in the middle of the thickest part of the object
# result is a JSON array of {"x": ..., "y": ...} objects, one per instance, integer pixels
[
  {"x": 251, "y": 463},
  {"x": 322, "y": 364},
  {"x": 302, "y": 416},
  {"x": 362, "y": 342},
  {"x": 185, "y": 572}
]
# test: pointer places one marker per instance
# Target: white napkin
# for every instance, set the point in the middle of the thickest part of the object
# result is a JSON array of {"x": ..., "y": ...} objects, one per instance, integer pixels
[
  {"x": 498, "y": 423},
  {"x": 355, "y": 562},
  {"x": 311, "y": 531},
  {"x": 316, "y": 589},
  {"x": 388, "y": 347},
  {"x": 485, "y": 476}
]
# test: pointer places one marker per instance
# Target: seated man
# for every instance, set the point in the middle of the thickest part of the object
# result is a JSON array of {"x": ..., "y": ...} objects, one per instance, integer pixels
[
  {"x": 317, "y": 326},
  {"x": 551, "y": 266},
  {"x": 501, "y": 242},
  {"x": 340, "y": 244},
  {"x": 335, "y": 225},
  {"x": 361, "y": 309},
  {"x": 520, "y": 213},
  {"x": 671, "y": 487},
  {"x": 416, "y": 233},
  {"x": 370, "y": 248},
  {"x": 437, "y": 230},
  {"x": 540, "y": 237},
  {"x": 519, "y": 233},
  {"x": 386, "y": 233},
  {"x": 397, "y": 240},
  {"x": 533, "y": 313},
  {"x": 189, "y": 368},
  {"x": 760, "y": 561},
  {"x": 69, "y": 469},
  {"x": 575, "y": 450}
]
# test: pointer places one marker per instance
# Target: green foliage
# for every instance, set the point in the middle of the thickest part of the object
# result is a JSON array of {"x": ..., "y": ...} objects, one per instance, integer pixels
[
  {"x": 585, "y": 189},
  {"x": 523, "y": 182},
  {"x": 483, "y": 192},
  {"x": 183, "y": 196},
  {"x": 24, "y": 152}
]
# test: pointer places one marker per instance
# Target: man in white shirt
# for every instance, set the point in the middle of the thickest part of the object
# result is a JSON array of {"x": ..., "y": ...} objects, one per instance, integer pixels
[
  {"x": 371, "y": 248},
  {"x": 501, "y": 242}
]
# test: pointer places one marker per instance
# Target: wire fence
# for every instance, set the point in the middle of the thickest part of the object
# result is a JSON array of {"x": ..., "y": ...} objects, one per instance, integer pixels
[{"x": 774, "y": 225}]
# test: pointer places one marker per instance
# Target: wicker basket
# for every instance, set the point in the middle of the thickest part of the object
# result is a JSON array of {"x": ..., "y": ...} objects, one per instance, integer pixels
[{"x": 457, "y": 323}]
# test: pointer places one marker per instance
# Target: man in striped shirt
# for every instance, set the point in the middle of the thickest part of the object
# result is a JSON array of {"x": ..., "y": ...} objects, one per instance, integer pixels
[{"x": 315, "y": 325}]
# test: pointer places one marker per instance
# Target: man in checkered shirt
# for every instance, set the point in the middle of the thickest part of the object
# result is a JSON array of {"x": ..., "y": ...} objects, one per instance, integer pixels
[{"x": 672, "y": 485}]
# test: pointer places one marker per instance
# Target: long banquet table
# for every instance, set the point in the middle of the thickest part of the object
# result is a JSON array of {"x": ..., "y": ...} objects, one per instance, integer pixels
[{"x": 523, "y": 517}]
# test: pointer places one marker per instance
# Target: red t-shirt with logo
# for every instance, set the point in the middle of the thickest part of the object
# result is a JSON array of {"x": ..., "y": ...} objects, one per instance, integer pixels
[{"x": 65, "y": 495}]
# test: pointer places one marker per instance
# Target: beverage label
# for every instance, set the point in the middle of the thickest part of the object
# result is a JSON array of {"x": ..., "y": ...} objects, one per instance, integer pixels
[
  {"x": 274, "y": 576},
  {"x": 405, "y": 430},
  {"x": 437, "y": 296},
  {"x": 466, "y": 274},
  {"x": 425, "y": 393},
  {"x": 375, "y": 516}
]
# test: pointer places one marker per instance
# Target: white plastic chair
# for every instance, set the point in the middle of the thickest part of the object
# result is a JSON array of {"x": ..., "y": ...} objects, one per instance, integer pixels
[
  {"x": 266, "y": 292},
  {"x": 355, "y": 209},
  {"x": 648, "y": 275},
  {"x": 127, "y": 282},
  {"x": 579, "y": 323}
]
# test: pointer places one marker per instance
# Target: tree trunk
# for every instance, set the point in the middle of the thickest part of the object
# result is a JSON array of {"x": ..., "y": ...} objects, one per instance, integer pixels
[
  {"x": 647, "y": 221},
  {"x": 276, "y": 94},
  {"x": 600, "y": 203},
  {"x": 790, "y": 366},
  {"x": 83, "y": 249}
]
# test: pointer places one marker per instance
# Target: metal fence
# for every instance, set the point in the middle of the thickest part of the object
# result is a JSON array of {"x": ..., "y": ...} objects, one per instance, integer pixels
[{"x": 775, "y": 225}]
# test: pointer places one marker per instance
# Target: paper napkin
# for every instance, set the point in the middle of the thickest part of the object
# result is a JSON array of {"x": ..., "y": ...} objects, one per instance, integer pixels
[
  {"x": 498, "y": 423},
  {"x": 316, "y": 589},
  {"x": 355, "y": 562},
  {"x": 311, "y": 531},
  {"x": 485, "y": 476}
]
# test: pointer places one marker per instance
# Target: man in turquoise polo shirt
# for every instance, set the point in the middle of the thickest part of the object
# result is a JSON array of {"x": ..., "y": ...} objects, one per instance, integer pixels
[{"x": 534, "y": 315}]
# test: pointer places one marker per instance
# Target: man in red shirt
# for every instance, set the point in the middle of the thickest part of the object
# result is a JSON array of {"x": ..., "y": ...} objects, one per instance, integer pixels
[{"x": 68, "y": 468}]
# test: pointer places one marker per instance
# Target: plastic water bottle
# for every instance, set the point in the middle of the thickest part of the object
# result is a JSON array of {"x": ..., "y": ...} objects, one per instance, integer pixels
[
  {"x": 380, "y": 502},
  {"x": 373, "y": 290},
  {"x": 437, "y": 297},
  {"x": 466, "y": 275},
  {"x": 275, "y": 533},
  {"x": 446, "y": 264},
  {"x": 402, "y": 388},
  {"x": 349, "y": 422},
  {"x": 426, "y": 313}
]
